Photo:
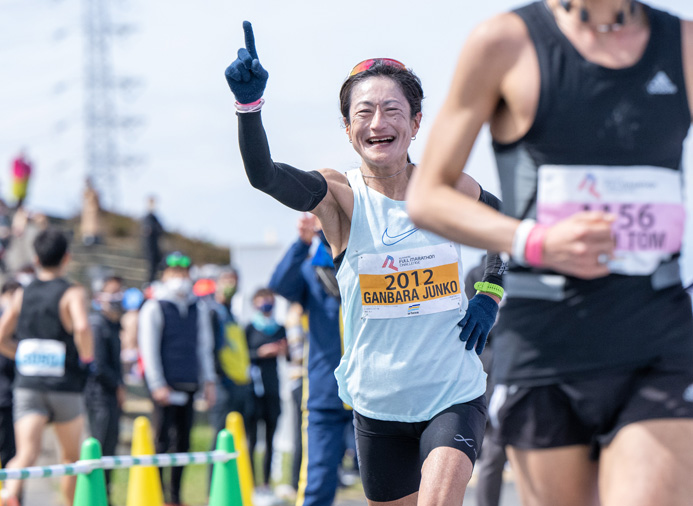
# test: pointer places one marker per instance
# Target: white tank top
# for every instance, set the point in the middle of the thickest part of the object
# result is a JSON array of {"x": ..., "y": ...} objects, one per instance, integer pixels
[{"x": 402, "y": 298}]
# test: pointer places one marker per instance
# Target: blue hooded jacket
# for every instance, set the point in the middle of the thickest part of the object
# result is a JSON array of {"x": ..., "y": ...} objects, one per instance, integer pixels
[{"x": 295, "y": 279}]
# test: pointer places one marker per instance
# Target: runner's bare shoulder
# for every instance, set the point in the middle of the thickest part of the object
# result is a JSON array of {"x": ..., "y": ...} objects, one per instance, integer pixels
[{"x": 503, "y": 31}]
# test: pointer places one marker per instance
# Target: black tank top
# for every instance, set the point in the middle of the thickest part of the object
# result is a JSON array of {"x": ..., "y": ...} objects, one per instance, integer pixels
[
  {"x": 46, "y": 357},
  {"x": 617, "y": 119}
]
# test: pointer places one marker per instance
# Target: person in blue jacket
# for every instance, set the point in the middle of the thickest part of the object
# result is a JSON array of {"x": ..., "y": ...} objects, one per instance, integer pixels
[{"x": 309, "y": 279}]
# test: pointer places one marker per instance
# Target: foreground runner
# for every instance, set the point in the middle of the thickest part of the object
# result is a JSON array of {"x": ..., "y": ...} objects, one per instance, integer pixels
[
  {"x": 416, "y": 392},
  {"x": 588, "y": 108}
]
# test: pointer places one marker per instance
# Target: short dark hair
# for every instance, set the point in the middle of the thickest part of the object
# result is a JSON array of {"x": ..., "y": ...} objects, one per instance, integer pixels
[
  {"x": 113, "y": 278},
  {"x": 227, "y": 271},
  {"x": 50, "y": 246},
  {"x": 10, "y": 286},
  {"x": 263, "y": 292},
  {"x": 409, "y": 83}
]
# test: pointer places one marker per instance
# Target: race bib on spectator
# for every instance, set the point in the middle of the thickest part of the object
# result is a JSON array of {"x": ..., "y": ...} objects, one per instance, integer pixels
[
  {"x": 40, "y": 357},
  {"x": 411, "y": 282},
  {"x": 648, "y": 203}
]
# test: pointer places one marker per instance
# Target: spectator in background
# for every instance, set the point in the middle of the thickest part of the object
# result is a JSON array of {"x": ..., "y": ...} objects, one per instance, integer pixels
[
  {"x": 266, "y": 342},
  {"x": 7, "y": 443},
  {"x": 306, "y": 275},
  {"x": 231, "y": 356},
  {"x": 129, "y": 354},
  {"x": 296, "y": 325},
  {"x": 5, "y": 233},
  {"x": 20, "y": 218},
  {"x": 151, "y": 233},
  {"x": 25, "y": 275},
  {"x": 21, "y": 172},
  {"x": 492, "y": 458},
  {"x": 105, "y": 393},
  {"x": 90, "y": 227},
  {"x": 172, "y": 332}
]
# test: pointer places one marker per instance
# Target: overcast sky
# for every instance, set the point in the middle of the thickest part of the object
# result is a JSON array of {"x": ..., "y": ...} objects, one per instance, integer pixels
[{"x": 178, "y": 51}]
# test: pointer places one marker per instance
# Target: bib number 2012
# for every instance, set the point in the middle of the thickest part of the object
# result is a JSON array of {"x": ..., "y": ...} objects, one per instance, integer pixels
[{"x": 402, "y": 279}]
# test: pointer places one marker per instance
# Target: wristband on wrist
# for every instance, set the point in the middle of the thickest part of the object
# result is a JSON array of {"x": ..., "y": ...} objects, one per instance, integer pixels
[
  {"x": 520, "y": 241},
  {"x": 534, "y": 249},
  {"x": 486, "y": 287},
  {"x": 251, "y": 107}
]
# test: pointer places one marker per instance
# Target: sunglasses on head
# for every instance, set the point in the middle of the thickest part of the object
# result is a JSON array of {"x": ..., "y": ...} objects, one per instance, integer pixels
[
  {"x": 178, "y": 260},
  {"x": 366, "y": 64}
]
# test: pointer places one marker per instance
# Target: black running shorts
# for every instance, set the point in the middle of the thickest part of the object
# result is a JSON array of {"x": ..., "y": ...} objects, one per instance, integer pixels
[
  {"x": 391, "y": 453},
  {"x": 591, "y": 411}
]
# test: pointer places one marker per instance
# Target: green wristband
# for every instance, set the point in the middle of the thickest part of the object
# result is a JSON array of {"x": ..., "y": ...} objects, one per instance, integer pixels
[{"x": 485, "y": 286}]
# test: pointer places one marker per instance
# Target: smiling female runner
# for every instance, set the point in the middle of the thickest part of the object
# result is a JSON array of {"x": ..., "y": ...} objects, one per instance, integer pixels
[{"x": 416, "y": 390}]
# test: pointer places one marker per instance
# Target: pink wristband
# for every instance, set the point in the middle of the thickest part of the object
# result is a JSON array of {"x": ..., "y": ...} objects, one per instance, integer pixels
[
  {"x": 251, "y": 107},
  {"x": 534, "y": 246}
]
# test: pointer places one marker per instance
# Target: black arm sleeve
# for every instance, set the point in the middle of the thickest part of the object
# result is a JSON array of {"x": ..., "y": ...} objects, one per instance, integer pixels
[
  {"x": 295, "y": 188},
  {"x": 495, "y": 267}
]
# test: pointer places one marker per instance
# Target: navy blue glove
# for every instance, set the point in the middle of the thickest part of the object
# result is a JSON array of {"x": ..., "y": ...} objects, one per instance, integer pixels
[
  {"x": 476, "y": 324},
  {"x": 88, "y": 368},
  {"x": 246, "y": 77}
]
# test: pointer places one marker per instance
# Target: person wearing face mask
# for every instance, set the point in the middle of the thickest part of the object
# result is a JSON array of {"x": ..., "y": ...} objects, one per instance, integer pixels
[
  {"x": 129, "y": 355},
  {"x": 171, "y": 331},
  {"x": 266, "y": 341},
  {"x": 231, "y": 359},
  {"x": 105, "y": 392}
]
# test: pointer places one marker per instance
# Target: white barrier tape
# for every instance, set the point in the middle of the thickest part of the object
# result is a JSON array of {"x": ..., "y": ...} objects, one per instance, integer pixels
[{"x": 117, "y": 462}]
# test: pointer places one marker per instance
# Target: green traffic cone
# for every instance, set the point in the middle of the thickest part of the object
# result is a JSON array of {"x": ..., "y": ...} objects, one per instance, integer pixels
[
  {"x": 226, "y": 487},
  {"x": 91, "y": 488}
]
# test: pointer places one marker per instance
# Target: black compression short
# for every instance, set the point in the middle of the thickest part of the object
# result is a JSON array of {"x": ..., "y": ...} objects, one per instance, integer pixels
[
  {"x": 391, "y": 453},
  {"x": 591, "y": 411}
]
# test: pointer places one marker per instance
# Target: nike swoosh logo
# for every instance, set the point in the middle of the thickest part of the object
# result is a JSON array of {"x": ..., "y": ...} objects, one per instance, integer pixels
[{"x": 390, "y": 240}]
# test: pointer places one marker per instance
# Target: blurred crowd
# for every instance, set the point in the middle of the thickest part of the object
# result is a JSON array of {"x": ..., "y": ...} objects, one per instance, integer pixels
[{"x": 174, "y": 339}]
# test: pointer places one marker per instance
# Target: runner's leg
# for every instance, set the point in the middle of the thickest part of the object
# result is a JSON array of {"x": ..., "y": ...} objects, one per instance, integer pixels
[
  {"x": 547, "y": 477},
  {"x": 444, "y": 477},
  {"x": 27, "y": 430},
  {"x": 649, "y": 463},
  {"x": 69, "y": 436}
]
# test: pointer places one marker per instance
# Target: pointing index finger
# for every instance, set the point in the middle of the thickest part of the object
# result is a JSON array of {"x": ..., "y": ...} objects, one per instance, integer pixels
[{"x": 249, "y": 39}]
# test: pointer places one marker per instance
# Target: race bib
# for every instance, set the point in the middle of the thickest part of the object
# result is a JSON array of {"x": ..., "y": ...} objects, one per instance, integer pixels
[
  {"x": 648, "y": 203},
  {"x": 40, "y": 357},
  {"x": 411, "y": 282}
]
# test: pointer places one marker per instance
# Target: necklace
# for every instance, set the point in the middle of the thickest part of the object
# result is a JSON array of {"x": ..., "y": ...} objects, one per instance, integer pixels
[
  {"x": 388, "y": 177},
  {"x": 619, "y": 21}
]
